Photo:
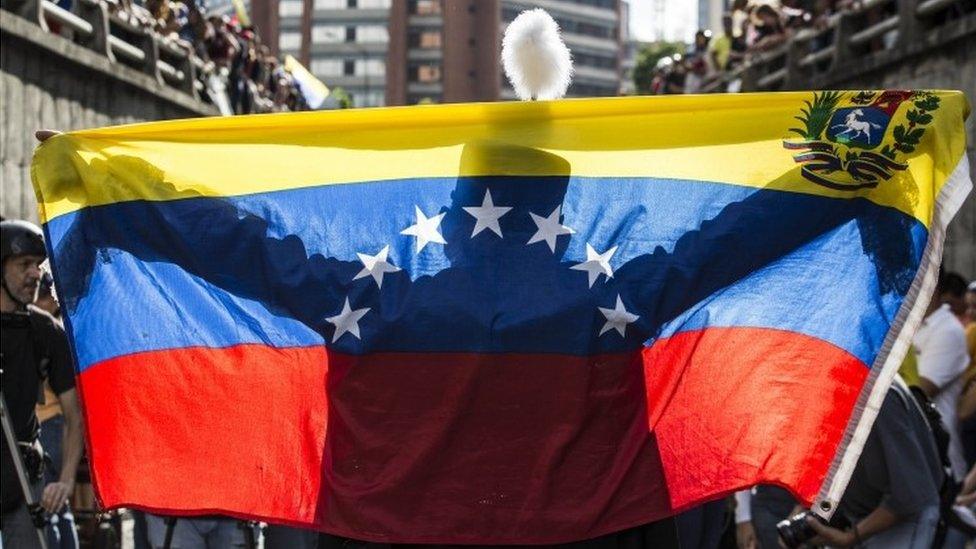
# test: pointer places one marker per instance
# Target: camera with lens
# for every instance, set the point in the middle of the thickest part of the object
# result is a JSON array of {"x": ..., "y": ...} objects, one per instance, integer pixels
[
  {"x": 33, "y": 460},
  {"x": 795, "y": 531}
]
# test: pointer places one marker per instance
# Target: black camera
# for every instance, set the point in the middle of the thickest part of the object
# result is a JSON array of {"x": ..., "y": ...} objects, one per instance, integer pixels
[
  {"x": 33, "y": 460},
  {"x": 795, "y": 531}
]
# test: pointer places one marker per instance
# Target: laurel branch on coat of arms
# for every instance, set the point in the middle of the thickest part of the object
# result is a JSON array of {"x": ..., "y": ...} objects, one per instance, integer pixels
[{"x": 837, "y": 141}]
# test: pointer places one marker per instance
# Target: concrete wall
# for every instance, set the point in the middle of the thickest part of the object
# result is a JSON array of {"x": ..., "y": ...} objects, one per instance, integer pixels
[
  {"x": 47, "y": 81},
  {"x": 945, "y": 59}
]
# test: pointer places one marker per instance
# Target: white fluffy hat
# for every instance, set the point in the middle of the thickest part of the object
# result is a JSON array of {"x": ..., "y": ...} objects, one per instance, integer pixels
[{"x": 536, "y": 61}]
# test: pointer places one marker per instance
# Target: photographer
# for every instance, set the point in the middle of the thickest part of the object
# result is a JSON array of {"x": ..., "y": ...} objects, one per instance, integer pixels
[
  {"x": 893, "y": 497},
  {"x": 34, "y": 348}
]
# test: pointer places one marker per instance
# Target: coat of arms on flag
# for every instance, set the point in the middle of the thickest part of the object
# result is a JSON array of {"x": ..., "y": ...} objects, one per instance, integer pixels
[{"x": 837, "y": 141}]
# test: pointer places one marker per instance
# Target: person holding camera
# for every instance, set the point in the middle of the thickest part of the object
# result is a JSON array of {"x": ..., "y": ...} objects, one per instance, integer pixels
[
  {"x": 894, "y": 494},
  {"x": 34, "y": 348}
]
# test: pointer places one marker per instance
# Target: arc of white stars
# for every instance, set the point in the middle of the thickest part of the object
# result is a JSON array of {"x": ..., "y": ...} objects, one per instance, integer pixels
[
  {"x": 376, "y": 266},
  {"x": 596, "y": 264},
  {"x": 425, "y": 229},
  {"x": 617, "y": 318},
  {"x": 549, "y": 228},
  {"x": 487, "y": 215},
  {"x": 347, "y": 321}
]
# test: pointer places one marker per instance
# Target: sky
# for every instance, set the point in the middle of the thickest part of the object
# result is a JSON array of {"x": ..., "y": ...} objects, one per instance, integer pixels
[{"x": 679, "y": 23}]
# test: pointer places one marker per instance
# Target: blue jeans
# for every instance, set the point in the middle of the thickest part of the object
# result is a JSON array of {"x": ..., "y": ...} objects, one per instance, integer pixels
[
  {"x": 197, "y": 533},
  {"x": 61, "y": 532}
]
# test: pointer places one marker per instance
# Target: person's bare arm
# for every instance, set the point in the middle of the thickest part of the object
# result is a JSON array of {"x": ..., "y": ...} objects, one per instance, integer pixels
[
  {"x": 745, "y": 535},
  {"x": 967, "y": 495},
  {"x": 715, "y": 61},
  {"x": 879, "y": 520},
  {"x": 770, "y": 42},
  {"x": 57, "y": 493}
]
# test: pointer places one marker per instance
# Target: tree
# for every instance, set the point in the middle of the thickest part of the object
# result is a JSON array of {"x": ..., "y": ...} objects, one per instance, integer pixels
[
  {"x": 647, "y": 59},
  {"x": 338, "y": 98}
]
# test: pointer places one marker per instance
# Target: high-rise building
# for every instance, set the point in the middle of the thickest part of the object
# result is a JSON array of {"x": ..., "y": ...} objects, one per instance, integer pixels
[
  {"x": 443, "y": 51},
  {"x": 342, "y": 42},
  {"x": 399, "y": 52}
]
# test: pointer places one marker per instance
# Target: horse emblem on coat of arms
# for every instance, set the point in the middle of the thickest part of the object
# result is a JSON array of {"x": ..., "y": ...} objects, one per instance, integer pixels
[{"x": 839, "y": 142}]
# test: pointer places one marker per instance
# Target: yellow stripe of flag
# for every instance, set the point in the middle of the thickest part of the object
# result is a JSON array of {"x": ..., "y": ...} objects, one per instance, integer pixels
[{"x": 732, "y": 139}]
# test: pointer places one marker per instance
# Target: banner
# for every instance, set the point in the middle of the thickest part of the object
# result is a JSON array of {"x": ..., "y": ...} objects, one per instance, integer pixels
[
  {"x": 314, "y": 91},
  {"x": 499, "y": 323}
]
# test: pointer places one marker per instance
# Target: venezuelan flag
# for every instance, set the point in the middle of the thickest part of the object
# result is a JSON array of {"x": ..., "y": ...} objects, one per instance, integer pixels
[{"x": 496, "y": 323}]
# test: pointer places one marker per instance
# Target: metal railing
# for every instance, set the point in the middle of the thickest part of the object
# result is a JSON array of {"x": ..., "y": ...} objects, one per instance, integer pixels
[
  {"x": 844, "y": 37},
  {"x": 90, "y": 25}
]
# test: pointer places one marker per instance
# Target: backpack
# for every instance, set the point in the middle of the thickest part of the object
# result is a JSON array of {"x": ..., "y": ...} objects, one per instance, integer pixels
[{"x": 933, "y": 418}]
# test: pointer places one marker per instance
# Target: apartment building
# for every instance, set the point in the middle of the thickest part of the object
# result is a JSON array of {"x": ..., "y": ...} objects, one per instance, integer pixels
[{"x": 342, "y": 42}]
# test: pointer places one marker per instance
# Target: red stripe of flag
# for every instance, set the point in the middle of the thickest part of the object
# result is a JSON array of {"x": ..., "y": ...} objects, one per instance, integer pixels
[{"x": 553, "y": 448}]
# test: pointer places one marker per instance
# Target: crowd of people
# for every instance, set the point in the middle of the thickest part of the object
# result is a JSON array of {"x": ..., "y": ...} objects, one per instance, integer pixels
[
  {"x": 749, "y": 29},
  {"x": 239, "y": 75}
]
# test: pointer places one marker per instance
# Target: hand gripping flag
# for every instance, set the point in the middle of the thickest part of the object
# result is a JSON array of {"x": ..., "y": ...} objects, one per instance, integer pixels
[{"x": 496, "y": 323}]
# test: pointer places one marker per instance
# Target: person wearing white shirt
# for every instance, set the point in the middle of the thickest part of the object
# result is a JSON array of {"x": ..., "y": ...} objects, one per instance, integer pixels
[{"x": 940, "y": 345}]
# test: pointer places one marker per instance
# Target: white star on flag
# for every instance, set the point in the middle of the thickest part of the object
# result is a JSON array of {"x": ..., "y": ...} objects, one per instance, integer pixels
[
  {"x": 425, "y": 229},
  {"x": 596, "y": 263},
  {"x": 617, "y": 318},
  {"x": 548, "y": 228},
  {"x": 376, "y": 265},
  {"x": 346, "y": 321},
  {"x": 487, "y": 215}
]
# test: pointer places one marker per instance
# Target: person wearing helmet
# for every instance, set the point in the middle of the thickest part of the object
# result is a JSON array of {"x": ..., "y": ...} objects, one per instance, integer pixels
[{"x": 34, "y": 348}]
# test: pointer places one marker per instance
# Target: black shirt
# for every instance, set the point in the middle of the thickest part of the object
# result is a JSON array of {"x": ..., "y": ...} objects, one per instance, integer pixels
[{"x": 21, "y": 372}]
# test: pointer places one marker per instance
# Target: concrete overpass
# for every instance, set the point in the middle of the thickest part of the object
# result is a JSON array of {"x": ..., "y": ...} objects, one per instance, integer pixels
[{"x": 105, "y": 75}]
